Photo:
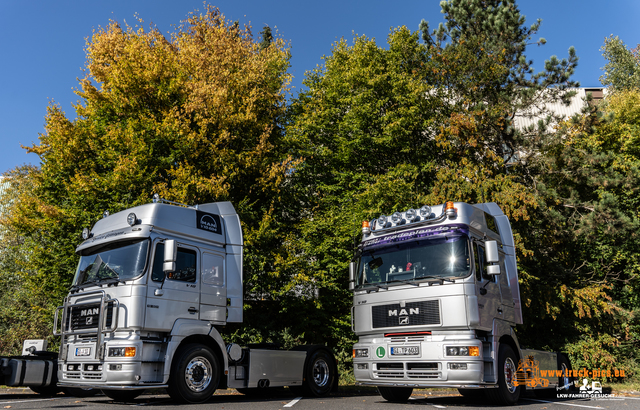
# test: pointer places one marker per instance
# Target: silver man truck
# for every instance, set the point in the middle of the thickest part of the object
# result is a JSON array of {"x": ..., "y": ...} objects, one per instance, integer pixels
[
  {"x": 154, "y": 285},
  {"x": 435, "y": 304}
]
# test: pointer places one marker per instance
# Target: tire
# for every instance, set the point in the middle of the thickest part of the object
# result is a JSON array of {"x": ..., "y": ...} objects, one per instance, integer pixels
[
  {"x": 472, "y": 393},
  {"x": 195, "y": 374},
  {"x": 395, "y": 394},
  {"x": 51, "y": 390},
  {"x": 320, "y": 374},
  {"x": 507, "y": 392},
  {"x": 122, "y": 395}
]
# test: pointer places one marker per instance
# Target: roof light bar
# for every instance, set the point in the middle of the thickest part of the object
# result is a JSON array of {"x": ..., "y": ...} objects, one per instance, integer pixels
[{"x": 425, "y": 213}]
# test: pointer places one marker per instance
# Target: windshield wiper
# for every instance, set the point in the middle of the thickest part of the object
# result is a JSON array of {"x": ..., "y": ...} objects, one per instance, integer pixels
[
  {"x": 440, "y": 278},
  {"x": 405, "y": 281}
]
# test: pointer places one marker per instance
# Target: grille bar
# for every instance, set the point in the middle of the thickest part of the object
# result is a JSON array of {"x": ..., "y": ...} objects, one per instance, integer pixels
[{"x": 425, "y": 312}]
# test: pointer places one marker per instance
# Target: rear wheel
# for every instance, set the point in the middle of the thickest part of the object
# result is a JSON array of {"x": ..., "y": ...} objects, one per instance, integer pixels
[
  {"x": 508, "y": 392},
  {"x": 195, "y": 374},
  {"x": 319, "y": 374},
  {"x": 395, "y": 394},
  {"x": 122, "y": 395}
]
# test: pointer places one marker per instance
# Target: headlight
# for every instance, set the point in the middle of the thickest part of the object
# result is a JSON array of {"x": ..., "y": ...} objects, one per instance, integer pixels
[
  {"x": 122, "y": 352},
  {"x": 132, "y": 219},
  {"x": 462, "y": 350},
  {"x": 359, "y": 353},
  {"x": 382, "y": 219},
  {"x": 425, "y": 211},
  {"x": 411, "y": 213},
  {"x": 396, "y": 217}
]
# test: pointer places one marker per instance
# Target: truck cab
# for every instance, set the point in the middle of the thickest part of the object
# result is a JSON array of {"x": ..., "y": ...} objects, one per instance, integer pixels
[
  {"x": 436, "y": 301},
  {"x": 153, "y": 286}
]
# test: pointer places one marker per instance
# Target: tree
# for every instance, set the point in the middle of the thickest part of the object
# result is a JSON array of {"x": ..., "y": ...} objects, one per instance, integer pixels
[
  {"x": 267, "y": 37},
  {"x": 494, "y": 31},
  {"x": 622, "y": 71},
  {"x": 196, "y": 117}
]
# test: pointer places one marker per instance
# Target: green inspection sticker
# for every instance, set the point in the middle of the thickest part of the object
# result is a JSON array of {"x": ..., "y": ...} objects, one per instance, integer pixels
[{"x": 380, "y": 352}]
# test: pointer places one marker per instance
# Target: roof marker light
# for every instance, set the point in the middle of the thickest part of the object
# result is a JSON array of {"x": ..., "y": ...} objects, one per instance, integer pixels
[
  {"x": 425, "y": 211},
  {"x": 382, "y": 219},
  {"x": 450, "y": 210},
  {"x": 410, "y": 213},
  {"x": 396, "y": 217}
]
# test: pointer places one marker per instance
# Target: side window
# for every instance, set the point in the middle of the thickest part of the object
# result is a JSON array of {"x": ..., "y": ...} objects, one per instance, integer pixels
[
  {"x": 481, "y": 266},
  {"x": 478, "y": 252},
  {"x": 491, "y": 223},
  {"x": 185, "y": 265},
  {"x": 212, "y": 269},
  {"x": 157, "y": 274}
]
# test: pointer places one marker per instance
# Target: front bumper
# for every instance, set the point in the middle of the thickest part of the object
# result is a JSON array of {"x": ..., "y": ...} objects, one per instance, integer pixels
[{"x": 429, "y": 367}]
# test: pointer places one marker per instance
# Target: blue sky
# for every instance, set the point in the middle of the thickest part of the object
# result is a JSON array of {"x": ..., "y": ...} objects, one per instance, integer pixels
[{"x": 43, "y": 42}]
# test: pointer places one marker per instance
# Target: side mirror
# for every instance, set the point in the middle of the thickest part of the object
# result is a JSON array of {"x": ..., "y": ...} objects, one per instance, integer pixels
[
  {"x": 170, "y": 256},
  {"x": 491, "y": 252},
  {"x": 492, "y": 256},
  {"x": 352, "y": 276}
]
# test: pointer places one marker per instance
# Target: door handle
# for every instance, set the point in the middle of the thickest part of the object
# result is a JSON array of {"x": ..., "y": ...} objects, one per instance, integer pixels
[{"x": 192, "y": 310}]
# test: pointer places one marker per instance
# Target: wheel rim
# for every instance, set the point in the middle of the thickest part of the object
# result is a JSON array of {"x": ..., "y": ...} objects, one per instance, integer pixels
[
  {"x": 565, "y": 380},
  {"x": 321, "y": 373},
  {"x": 509, "y": 375},
  {"x": 198, "y": 374}
]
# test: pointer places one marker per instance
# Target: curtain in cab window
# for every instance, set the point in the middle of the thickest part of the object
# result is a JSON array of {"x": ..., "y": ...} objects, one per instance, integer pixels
[{"x": 212, "y": 269}]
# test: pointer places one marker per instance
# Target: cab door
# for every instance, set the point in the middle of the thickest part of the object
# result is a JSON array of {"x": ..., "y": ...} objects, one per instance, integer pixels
[
  {"x": 176, "y": 296},
  {"x": 213, "y": 287},
  {"x": 487, "y": 290}
]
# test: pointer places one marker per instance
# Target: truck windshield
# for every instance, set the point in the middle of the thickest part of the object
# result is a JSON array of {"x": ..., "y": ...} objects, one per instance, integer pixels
[
  {"x": 444, "y": 257},
  {"x": 119, "y": 261}
]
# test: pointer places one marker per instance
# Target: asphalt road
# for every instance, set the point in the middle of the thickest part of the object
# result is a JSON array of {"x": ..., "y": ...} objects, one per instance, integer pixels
[{"x": 352, "y": 399}]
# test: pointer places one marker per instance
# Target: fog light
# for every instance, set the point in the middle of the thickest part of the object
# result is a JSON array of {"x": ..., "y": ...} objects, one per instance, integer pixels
[
  {"x": 458, "y": 366},
  {"x": 115, "y": 367},
  {"x": 362, "y": 366}
]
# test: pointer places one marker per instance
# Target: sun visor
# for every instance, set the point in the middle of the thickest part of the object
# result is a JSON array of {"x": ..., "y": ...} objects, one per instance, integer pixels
[{"x": 417, "y": 234}]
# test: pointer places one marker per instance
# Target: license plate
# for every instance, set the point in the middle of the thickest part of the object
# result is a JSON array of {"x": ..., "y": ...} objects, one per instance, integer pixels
[
  {"x": 405, "y": 350},
  {"x": 83, "y": 351}
]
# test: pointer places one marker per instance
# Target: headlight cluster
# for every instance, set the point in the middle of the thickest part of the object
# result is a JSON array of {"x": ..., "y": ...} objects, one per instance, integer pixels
[
  {"x": 122, "y": 352},
  {"x": 462, "y": 350},
  {"x": 359, "y": 353}
]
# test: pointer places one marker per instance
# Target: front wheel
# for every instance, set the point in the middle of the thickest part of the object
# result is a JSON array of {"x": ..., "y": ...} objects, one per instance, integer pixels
[
  {"x": 508, "y": 391},
  {"x": 122, "y": 395},
  {"x": 195, "y": 374},
  {"x": 395, "y": 394},
  {"x": 320, "y": 374}
]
